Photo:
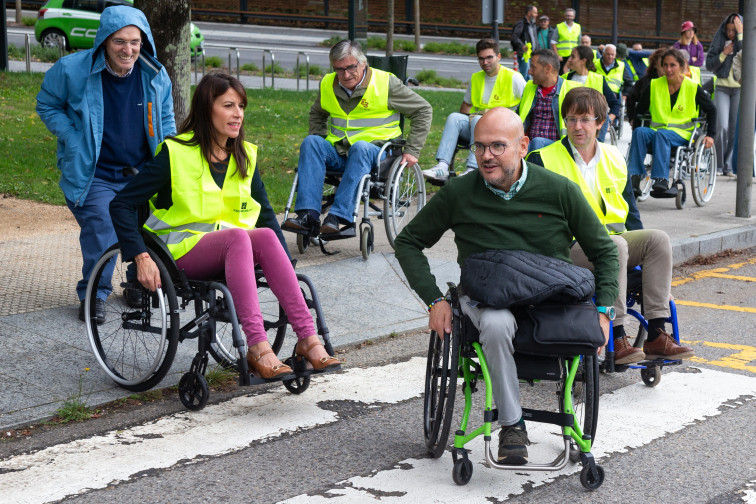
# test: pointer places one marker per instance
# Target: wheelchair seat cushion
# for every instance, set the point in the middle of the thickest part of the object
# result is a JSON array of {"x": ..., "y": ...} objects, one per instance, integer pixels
[{"x": 509, "y": 278}]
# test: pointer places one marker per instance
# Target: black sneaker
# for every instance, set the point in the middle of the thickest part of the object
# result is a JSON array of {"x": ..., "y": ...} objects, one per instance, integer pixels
[
  {"x": 99, "y": 314},
  {"x": 133, "y": 297},
  {"x": 660, "y": 185},
  {"x": 333, "y": 224},
  {"x": 635, "y": 180},
  {"x": 302, "y": 222},
  {"x": 513, "y": 441}
]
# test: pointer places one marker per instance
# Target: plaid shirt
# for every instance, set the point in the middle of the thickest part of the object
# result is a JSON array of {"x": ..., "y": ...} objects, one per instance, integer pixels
[{"x": 544, "y": 124}]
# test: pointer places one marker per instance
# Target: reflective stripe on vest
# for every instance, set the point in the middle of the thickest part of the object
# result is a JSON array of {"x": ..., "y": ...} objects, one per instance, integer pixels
[
  {"x": 527, "y": 103},
  {"x": 680, "y": 118},
  {"x": 695, "y": 74},
  {"x": 567, "y": 40},
  {"x": 502, "y": 94},
  {"x": 614, "y": 77},
  {"x": 370, "y": 120},
  {"x": 199, "y": 206},
  {"x": 611, "y": 178}
]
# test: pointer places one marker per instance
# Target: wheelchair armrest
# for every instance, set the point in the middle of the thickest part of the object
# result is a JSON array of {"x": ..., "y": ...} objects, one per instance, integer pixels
[{"x": 413, "y": 81}]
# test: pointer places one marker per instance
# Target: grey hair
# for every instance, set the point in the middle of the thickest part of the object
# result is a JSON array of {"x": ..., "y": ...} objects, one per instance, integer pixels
[
  {"x": 610, "y": 46},
  {"x": 685, "y": 54},
  {"x": 570, "y": 9},
  {"x": 346, "y": 48}
]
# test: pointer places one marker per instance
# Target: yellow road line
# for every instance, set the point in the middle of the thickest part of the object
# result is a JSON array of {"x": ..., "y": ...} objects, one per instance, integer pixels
[
  {"x": 717, "y": 273},
  {"x": 744, "y": 309},
  {"x": 743, "y": 356},
  {"x": 733, "y": 277}
]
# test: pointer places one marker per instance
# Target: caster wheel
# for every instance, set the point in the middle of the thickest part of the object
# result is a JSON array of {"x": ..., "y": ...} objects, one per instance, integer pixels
[
  {"x": 651, "y": 376},
  {"x": 462, "y": 471},
  {"x": 680, "y": 198},
  {"x": 302, "y": 243},
  {"x": 297, "y": 385},
  {"x": 574, "y": 454},
  {"x": 193, "y": 390},
  {"x": 587, "y": 479},
  {"x": 366, "y": 242}
]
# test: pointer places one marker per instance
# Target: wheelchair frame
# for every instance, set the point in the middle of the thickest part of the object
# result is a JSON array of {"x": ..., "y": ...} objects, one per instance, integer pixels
[
  {"x": 137, "y": 344},
  {"x": 455, "y": 356},
  {"x": 650, "y": 370},
  {"x": 401, "y": 188},
  {"x": 692, "y": 160}
]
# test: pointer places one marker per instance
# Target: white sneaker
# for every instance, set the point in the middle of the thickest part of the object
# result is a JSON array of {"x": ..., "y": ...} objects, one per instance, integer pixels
[
  {"x": 436, "y": 173},
  {"x": 469, "y": 170}
]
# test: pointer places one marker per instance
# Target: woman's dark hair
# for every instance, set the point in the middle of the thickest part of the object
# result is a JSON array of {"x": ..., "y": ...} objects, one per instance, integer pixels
[
  {"x": 200, "y": 120},
  {"x": 675, "y": 54},
  {"x": 653, "y": 61},
  {"x": 586, "y": 53}
]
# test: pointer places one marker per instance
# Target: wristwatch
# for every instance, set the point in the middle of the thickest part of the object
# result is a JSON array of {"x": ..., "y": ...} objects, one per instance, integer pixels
[{"x": 608, "y": 311}]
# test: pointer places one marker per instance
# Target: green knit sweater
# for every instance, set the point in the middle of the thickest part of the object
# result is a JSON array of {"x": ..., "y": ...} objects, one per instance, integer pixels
[{"x": 543, "y": 217}]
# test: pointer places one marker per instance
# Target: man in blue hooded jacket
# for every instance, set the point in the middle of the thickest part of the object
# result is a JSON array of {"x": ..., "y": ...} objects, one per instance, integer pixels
[{"x": 110, "y": 107}]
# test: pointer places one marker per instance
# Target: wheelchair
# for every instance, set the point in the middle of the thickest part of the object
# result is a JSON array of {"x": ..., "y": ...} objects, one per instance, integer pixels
[
  {"x": 614, "y": 132},
  {"x": 650, "y": 370},
  {"x": 692, "y": 161},
  {"x": 461, "y": 355},
  {"x": 401, "y": 188},
  {"x": 137, "y": 343}
]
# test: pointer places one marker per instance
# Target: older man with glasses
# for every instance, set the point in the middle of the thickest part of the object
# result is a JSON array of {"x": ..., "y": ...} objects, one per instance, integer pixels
[
  {"x": 357, "y": 109},
  {"x": 493, "y": 86},
  {"x": 110, "y": 107}
]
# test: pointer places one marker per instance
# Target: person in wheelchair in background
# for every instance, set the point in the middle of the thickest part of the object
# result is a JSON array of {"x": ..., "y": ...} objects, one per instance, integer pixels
[
  {"x": 209, "y": 205},
  {"x": 600, "y": 171},
  {"x": 673, "y": 102},
  {"x": 358, "y": 108},
  {"x": 507, "y": 205}
]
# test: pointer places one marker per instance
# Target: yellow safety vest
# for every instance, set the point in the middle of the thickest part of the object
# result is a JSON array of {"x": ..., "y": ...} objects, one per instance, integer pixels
[
  {"x": 502, "y": 94},
  {"x": 614, "y": 77},
  {"x": 568, "y": 40},
  {"x": 527, "y": 103},
  {"x": 594, "y": 81},
  {"x": 370, "y": 120},
  {"x": 695, "y": 74},
  {"x": 199, "y": 206},
  {"x": 611, "y": 179},
  {"x": 678, "y": 118},
  {"x": 632, "y": 68}
]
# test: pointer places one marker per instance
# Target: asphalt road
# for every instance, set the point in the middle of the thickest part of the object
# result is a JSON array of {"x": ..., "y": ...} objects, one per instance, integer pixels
[{"x": 357, "y": 436}]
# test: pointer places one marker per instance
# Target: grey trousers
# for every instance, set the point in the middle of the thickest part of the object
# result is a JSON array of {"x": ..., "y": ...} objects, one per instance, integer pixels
[
  {"x": 497, "y": 329},
  {"x": 727, "y": 101},
  {"x": 652, "y": 249}
]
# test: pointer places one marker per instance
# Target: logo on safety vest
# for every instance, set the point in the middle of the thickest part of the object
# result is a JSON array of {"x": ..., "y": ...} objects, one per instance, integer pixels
[
  {"x": 364, "y": 103},
  {"x": 244, "y": 205},
  {"x": 496, "y": 97},
  {"x": 679, "y": 108}
]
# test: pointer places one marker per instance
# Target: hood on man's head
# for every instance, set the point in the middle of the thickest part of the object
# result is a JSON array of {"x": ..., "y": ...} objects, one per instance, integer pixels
[{"x": 119, "y": 16}]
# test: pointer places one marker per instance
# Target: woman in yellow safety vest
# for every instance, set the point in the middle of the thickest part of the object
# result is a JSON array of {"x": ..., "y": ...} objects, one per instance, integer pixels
[
  {"x": 674, "y": 102},
  {"x": 209, "y": 205},
  {"x": 581, "y": 69}
]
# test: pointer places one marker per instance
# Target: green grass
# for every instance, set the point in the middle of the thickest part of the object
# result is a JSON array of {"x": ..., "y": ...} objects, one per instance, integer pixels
[
  {"x": 275, "y": 120},
  {"x": 250, "y": 67},
  {"x": 213, "y": 62},
  {"x": 29, "y": 21},
  {"x": 449, "y": 48},
  {"x": 38, "y": 53},
  {"x": 431, "y": 78},
  {"x": 399, "y": 44}
]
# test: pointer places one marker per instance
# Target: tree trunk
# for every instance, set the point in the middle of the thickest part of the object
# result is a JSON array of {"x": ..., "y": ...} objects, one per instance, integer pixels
[
  {"x": 390, "y": 29},
  {"x": 417, "y": 25},
  {"x": 19, "y": 18},
  {"x": 169, "y": 21}
]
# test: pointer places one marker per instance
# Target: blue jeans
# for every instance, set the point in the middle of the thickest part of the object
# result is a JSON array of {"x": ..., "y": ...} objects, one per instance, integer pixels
[
  {"x": 316, "y": 155},
  {"x": 661, "y": 141},
  {"x": 459, "y": 128},
  {"x": 538, "y": 143},
  {"x": 602, "y": 132},
  {"x": 523, "y": 67},
  {"x": 97, "y": 233}
]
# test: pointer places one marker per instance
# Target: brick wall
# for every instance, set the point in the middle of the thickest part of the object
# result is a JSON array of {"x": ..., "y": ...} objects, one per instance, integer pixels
[{"x": 637, "y": 17}]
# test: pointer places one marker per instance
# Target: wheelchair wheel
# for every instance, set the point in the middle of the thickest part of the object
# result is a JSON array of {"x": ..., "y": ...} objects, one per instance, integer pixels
[
  {"x": 136, "y": 345},
  {"x": 585, "y": 398},
  {"x": 193, "y": 390},
  {"x": 646, "y": 182},
  {"x": 681, "y": 196},
  {"x": 704, "y": 173},
  {"x": 462, "y": 471},
  {"x": 651, "y": 375},
  {"x": 440, "y": 388},
  {"x": 366, "y": 242},
  {"x": 588, "y": 480},
  {"x": 405, "y": 196},
  {"x": 302, "y": 243},
  {"x": 613, "y": 136}
]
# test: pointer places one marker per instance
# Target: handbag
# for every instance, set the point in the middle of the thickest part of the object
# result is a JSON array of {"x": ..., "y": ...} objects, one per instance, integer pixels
[{"x": 558, "y": 330}]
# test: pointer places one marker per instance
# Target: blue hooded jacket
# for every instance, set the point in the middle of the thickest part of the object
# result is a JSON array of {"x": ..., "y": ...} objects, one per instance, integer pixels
[{"x": 70, "y": 102}]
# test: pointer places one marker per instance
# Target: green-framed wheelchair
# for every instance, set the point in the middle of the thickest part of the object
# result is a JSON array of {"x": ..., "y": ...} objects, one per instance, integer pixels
[{"x": 461, "y": 355}]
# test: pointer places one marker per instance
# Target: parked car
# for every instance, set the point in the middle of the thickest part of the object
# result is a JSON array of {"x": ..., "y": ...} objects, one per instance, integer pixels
[{"x": 74, "y": 23}]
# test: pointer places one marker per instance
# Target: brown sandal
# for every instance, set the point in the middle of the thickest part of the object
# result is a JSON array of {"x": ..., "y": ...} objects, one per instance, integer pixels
[
  {"x": 317, "y": 364},
  {"x": 266, "y": 372}
]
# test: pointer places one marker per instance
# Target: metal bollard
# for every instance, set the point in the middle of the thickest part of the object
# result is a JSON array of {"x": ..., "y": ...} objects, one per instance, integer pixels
[
  {"x": 272, "y": 68},
  {"x": 27, "y": 47},
  {"x": 307, "y": 69},
  {"x": 237, "y": 60}
]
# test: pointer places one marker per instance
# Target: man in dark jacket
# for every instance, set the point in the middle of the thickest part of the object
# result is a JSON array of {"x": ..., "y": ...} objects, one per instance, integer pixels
[{"x": 525, "y": 32}]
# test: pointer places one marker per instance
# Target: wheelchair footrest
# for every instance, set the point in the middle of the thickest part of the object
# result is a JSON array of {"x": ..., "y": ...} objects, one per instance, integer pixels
[{"x": 345, "y": 232}]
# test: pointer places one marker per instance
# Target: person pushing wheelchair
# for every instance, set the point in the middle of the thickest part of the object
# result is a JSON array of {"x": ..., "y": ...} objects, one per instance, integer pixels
[
  {"x": 508, "y": 204},
  {"x": 357, "y": 109}
]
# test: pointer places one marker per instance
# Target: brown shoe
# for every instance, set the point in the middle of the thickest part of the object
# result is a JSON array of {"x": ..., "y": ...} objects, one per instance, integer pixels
[
  {"x": 625, "y": 353},
  {"x": 317, "y": 364},
  {"x": 665, "y": 347},
  {"x": 266, "y": 372}
]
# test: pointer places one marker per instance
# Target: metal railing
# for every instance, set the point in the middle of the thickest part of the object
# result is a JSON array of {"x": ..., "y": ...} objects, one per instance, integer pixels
[
  {"x": 272, "y": 68},
  {"x": 307, "y": 69}
]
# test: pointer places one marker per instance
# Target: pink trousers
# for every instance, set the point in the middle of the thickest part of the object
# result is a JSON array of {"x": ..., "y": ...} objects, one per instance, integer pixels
[{"x": 233, "y": 253}]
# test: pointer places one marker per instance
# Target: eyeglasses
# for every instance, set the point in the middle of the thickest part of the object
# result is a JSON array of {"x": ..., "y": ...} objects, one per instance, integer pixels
[
  {"x": 572, "y": 121},
  {"x": 133, "y": 43},
  {"x": 496, "y": 148},
  {"x": 349, "y": 69},
  {"x": 487, "y": 59}
]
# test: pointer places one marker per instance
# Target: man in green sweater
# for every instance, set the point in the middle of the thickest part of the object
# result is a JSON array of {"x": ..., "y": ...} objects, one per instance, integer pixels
[{"x": 507, "y": 205}]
